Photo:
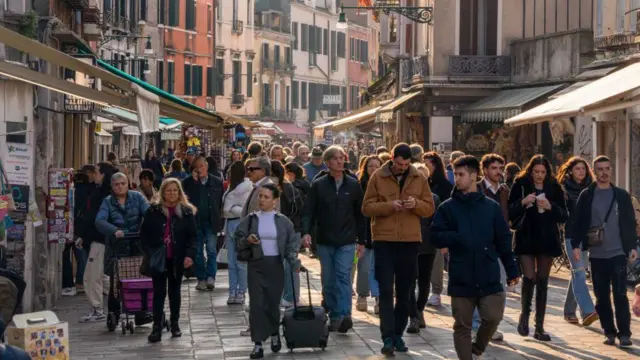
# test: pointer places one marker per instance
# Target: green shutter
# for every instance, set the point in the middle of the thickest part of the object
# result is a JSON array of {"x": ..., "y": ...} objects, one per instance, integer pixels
[
  {"x": 209, "y": 81},
  {"x": 249, "y": 79},
  {"x": 160, "y": 70},
  {"x": 171, "y": 77},
  {"x": 187, "y": 79}
]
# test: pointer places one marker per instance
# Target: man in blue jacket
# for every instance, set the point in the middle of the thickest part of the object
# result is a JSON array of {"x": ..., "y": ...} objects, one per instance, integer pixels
[{"x": 474, "y": 230}]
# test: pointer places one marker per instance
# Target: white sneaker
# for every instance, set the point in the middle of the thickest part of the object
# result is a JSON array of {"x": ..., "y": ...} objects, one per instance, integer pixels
[
  {"x": 286, "y": 304},
  {"x": 94, "y": 316},
  {"x": 497, "y": 336},
  {"x": 434, "y": 300},
  {"x": 202, "y": 286},
  {"x": 211, "y": 283},
  {"x": 69, "y": 291},
  {"x": 476, "y": 357}
]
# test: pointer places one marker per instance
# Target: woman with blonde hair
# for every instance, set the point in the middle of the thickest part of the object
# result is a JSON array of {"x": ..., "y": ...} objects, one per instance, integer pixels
[{"x": 168, "y": 240}]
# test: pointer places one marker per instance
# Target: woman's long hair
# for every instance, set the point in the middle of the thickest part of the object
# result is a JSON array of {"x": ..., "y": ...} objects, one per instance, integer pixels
[
  {"x": 364, "y": 176},
  {"x": 237, "y": 174},
  {"x": 296, "y": 169},
  {"x": 439, "y": 174},
  {"x": 182, "y": 198},
  {"x": 536, "y": 160},
  {"x": 277, "y": 171},
  {"x": 564, "y": 172}
]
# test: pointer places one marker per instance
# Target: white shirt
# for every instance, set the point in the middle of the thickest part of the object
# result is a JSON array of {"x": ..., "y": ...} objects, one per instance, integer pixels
[
  {"x": 490, "y": 186},
  {"x": 268, "y": 233}
]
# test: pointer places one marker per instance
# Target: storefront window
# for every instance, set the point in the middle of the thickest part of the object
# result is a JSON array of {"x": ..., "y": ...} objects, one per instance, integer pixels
[
  {"x": 515, "y": 144},
  {"x": 562, "y": 135}
]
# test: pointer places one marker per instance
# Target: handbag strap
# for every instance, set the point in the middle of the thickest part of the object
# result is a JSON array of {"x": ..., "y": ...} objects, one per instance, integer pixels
[{"x": 606, "y": 218}]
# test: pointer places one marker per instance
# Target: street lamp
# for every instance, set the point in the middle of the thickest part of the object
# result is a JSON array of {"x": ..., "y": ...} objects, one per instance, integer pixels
[
  {"x": 147, "y": 48},
  {"x": 420, "y": 14},
  {"x": 146, "y": 69}
]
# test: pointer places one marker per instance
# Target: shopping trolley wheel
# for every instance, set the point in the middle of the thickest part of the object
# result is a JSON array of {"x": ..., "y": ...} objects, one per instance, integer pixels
[
  {"x": 131, "y": 327},
  {"x": 124, "y": 328},
  {"x": 112, "y": 322}
]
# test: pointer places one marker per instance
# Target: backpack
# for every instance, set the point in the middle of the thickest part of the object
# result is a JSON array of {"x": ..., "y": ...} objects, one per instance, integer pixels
[
  {"x": 293, "y": 203},
  {"x": 8, "y": 298}
]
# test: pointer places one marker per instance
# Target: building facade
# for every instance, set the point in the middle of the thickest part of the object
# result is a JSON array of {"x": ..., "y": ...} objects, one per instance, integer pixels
[
  {"x": 235, "y": 74},
  {"x": 320, "y": 60}
]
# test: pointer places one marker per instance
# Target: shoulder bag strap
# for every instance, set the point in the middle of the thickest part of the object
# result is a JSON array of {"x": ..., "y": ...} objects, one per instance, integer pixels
[{"x": 606, "y": 218}]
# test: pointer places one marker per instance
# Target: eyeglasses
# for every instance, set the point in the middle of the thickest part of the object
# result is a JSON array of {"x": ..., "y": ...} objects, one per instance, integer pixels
[{"x": 254, "y": 168}]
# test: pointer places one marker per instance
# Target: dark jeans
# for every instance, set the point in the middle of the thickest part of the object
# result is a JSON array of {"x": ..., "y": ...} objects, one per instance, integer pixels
[
  {"x": 172, "y": 281},
  {"x": 80, "y": 256},
  {"x": 425, "y": 264},
  {"x": 611, "y": 275},
  {"x": 395, "y": 261}
]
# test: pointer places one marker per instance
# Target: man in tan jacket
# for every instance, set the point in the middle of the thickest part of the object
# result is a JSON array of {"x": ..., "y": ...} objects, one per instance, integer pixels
[{"x": 397, "y": 196}]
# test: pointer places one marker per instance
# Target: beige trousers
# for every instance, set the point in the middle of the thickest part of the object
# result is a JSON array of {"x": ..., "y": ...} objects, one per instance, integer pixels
[{"x": 94, "y": 275}]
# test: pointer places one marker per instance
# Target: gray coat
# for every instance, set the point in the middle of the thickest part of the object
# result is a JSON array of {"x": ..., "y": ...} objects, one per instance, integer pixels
[{"x": 287, "y": 241}]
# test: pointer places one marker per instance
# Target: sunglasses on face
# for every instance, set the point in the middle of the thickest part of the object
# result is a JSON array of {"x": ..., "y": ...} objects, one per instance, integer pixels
[{"x": 254, "y": 168}]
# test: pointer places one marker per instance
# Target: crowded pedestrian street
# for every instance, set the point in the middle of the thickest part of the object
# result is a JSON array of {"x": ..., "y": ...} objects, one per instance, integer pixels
[{"x": 211, "y": 330}]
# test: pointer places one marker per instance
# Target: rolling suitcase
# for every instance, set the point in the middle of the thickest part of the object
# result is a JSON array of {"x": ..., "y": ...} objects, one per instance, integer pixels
[{"x": 305, "y": 326}]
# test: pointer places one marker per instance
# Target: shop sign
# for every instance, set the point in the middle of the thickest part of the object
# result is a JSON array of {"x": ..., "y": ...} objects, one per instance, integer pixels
[
  {"x": 74, "y": 104},
  {"x": 18, "y": 161},
  {"x": 172, "y": 135},
  {"x": 331, "y": 100}
]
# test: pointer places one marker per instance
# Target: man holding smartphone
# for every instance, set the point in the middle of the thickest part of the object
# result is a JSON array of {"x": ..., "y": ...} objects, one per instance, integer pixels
[{"x": 474, "y": 230}]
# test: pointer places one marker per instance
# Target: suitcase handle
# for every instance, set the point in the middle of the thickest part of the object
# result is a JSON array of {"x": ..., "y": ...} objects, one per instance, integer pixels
[{"x": 293, "y": 286}]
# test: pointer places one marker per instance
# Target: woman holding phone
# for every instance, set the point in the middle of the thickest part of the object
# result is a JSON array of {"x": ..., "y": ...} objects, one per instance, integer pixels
[{"x": 536, "y": 207}]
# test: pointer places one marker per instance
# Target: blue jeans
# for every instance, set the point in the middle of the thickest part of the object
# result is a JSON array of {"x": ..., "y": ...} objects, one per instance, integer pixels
[
  {"x": 475, "y": 323},
  {"x": 288, "y": 289},
  {"x": 206, "y": 238},
  {"x": 80, "y": 256},
  {"x": 336, "y": 263},
  {"x": 578, "y": 291},
  {"x": 237, "y": 269},
  {"x": 368, "y": 259}
]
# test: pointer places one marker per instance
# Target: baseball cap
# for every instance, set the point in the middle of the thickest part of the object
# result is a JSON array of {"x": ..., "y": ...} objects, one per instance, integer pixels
[{"x": 316, "y": 152}]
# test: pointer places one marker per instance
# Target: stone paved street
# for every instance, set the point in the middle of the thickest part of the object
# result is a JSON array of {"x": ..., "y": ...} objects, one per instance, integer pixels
[{"x": 211, "y": 331}]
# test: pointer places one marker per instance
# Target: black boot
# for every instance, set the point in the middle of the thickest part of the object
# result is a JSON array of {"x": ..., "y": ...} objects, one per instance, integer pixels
[
  {"x": 541, "y": 308},
  {"x": 175, "y": 330},
  {"x": 525, "y": 302},
  {"x": 156, "y": 334}
]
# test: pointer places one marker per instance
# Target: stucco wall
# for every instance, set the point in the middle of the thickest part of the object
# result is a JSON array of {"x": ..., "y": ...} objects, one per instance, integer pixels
[{"x": 554, "y": 56}]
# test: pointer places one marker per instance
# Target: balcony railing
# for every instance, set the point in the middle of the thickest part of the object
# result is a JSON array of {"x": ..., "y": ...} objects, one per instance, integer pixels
[
  {"x": 91, "y": 15},
  {"x": 268, "y": 24},
  {"x": 614, "y": 40},
  {"x": 113, "y": 19},
  {"x": 278, "y": 66},
  {"x": 237, "y": 99},
  {"x": 77, "y": 4},
  {"x": 477, "y": 67},
  {"x": 277, "y": 115},
  {"x": 415, "y": 69},
  {"x": 237, "y": 27}
]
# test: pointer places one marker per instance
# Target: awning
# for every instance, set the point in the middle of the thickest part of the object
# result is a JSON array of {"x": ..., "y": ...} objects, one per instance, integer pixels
[
  {"x": 393, "y": 105},
  {"x": 229, "y": 118},
  {"x": 171, "y": 105},
  {"x": 595, "y": 74},
  {"x": 126, "y": 117},
  {"x": 103, "y": 137},
  {"x": 21, "y": 73},
  {"x": 569, "y": 89},
  {"x": 612, "y": 92},
  {"x": 131, "y": 130},
  {"x": 291, "y": 128},
  {"x": 352, "y": 120},
  {"x": 504, "y": 104}
]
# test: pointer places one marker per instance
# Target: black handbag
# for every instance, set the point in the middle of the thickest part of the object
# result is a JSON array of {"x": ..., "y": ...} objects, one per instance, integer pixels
[
  {"x": 517, "y": 224},
  {"x": 252, "y": 252},
  {"x": 154, "y": 262},
  {"x": 595, "y": 234}
]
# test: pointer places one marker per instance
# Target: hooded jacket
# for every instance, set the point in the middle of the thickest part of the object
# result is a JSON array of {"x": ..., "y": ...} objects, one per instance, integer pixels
[
  {"x": 472, "y": 227},
  {"x": 233, "y": 200}
]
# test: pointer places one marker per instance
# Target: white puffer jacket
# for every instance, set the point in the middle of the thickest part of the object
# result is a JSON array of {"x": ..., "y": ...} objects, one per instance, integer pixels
[{"x": 233, "y": 201}]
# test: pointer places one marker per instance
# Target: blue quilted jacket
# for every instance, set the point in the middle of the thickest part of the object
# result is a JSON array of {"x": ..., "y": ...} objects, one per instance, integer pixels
[{"x": 113, "y": 217}]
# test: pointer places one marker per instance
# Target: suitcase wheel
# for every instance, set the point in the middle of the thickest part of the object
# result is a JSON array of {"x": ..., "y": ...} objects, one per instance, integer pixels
[
  {"x": 323, "y": 344},
  {"x": 124, "y": 327},
  {"x": 112, "y": 322},
  {"x": 290, "y": 346}
]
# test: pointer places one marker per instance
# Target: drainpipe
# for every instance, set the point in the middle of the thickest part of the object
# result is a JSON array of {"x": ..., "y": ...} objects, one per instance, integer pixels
[{"x": 213, "y": 60}]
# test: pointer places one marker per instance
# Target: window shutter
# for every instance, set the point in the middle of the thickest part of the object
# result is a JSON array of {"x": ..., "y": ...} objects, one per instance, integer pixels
[
  {"x": 294, "y": 26},
  {"x": 265, "y": 51},
  {"x": 341, "y": 45},
  {"x": 325, "y": 41},
  {"x": 295, "y": 101},
  {"x": 209, "y": 81},
  {"x": 304, "y": 46},
  {"x": 312, "y": 38},
  {"x": 160, "y": 70},
  {"x": 187, "y": 79},
  {"x": 249, "y": 79},
  {"x": 303, "y": 91},
  {"x": 343, "y": 98},
  {"x": 318, "y": 40}
]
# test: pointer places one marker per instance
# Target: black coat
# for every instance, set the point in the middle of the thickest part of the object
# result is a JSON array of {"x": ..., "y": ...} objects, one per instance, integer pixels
[
  {"x": 85, "y": 225},
  {"x": 183, "y": 233},
  {"x": 473, "y": 228},
  {"x": 338, "y": 214},
  {"x": 425, "y": 224},
  {"x": 154, "y": 165},
  {"x": 539, "y": 233},
  {"x": 214, "y": 190},
  {"x": 572, "y": 191},
  {"x": 442, "y": 188},
  {"x": 626, "y": 219}
]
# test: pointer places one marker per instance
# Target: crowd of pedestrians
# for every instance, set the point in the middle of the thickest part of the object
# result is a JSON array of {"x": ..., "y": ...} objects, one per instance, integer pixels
[{"x": 392, "y": 222}]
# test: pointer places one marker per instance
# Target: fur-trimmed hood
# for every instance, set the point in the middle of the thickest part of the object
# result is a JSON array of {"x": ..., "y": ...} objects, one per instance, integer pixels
[{"x": 180, "y": 211}]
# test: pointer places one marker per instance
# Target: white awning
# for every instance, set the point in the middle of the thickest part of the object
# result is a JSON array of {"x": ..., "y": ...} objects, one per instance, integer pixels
[
  {"x": 351, "y": 121},
  {"x": 613, "y": 92},
  {"x": 103, "y": 138},
  {"x": 131, "y": 130}
]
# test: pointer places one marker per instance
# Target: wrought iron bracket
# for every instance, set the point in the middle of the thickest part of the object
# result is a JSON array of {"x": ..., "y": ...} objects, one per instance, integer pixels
[
  {"x": 420, "y": 14},
  {"x": 107, "y": 38}
]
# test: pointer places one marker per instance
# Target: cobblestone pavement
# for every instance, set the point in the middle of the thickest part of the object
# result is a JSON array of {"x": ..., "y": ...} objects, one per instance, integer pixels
[{"x": 211, "y": 331}]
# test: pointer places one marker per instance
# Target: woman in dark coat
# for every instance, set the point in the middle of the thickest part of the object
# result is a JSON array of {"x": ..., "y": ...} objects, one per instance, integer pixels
[
  {"x": 169, "y": 223},
  {"x": 536, "y": 208},
  {"x": 574, "y": 176},
  {"x": 152, "y": 163}
]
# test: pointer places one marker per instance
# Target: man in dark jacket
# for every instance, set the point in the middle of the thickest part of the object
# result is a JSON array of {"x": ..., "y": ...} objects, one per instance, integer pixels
[
  {"x": 205, "y": 193},
  {"x": 333, "y": 204},
  {"x": 475, "y": 249},
  {"x": 606, "y": 209}
]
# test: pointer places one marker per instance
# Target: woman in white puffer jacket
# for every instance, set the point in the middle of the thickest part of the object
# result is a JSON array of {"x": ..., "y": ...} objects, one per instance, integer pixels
[{"x": 232, "y": 204}]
